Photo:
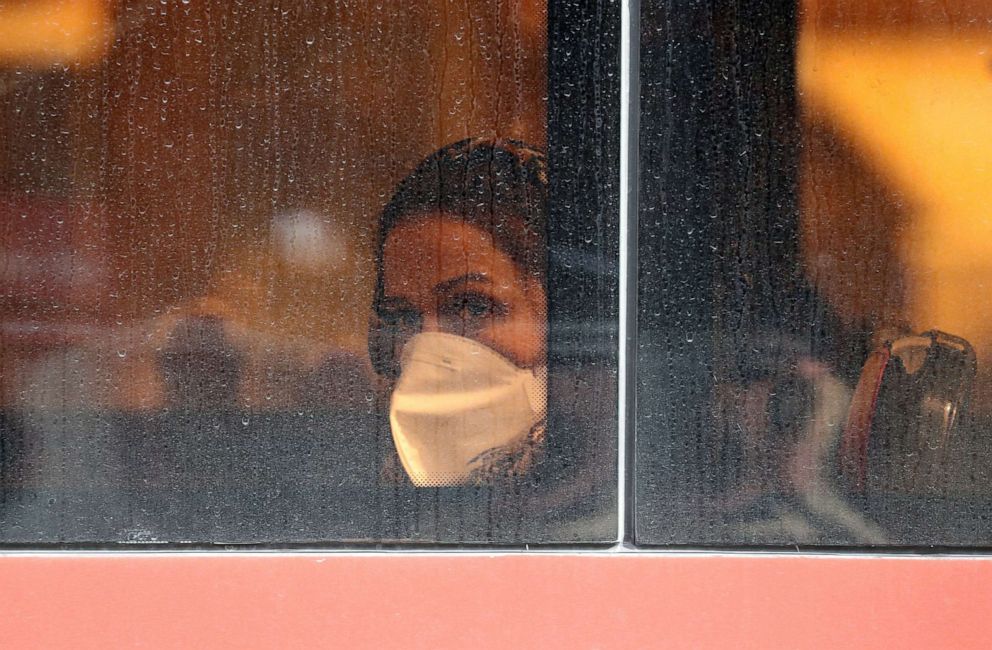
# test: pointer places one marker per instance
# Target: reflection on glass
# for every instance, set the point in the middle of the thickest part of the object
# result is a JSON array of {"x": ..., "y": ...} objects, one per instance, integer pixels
[
  {"x": 189, "y": 195},
  {"x": 895, "y": 179},
  {"x": 814, "y": 345}
]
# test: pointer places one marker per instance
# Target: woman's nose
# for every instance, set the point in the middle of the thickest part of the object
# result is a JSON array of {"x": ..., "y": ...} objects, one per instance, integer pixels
[{"x": 430, "y": 323}]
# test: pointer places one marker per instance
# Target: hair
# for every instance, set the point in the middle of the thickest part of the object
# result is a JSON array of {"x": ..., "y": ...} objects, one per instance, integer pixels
[{"x": 499, "y": 186}]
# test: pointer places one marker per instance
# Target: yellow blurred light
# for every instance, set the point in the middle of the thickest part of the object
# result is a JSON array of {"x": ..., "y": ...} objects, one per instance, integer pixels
[
  {"x": 47, "y": 32},
  {"x": 918, "y": 106}
]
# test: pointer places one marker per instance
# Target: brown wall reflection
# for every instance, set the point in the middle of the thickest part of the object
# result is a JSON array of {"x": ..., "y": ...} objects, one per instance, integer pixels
[{"x": 181, "y": 167}]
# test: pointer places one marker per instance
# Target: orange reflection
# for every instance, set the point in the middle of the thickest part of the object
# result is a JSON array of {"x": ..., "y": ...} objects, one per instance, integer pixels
[
  {"x": 47, "y": 32},
  {"x": 908, "y": 93}
]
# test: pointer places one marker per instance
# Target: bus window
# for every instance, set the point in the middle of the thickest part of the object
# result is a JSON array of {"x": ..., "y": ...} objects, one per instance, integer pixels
[
  {"x": 813, "y": 349},
  {"x": 293, "y": 274}
]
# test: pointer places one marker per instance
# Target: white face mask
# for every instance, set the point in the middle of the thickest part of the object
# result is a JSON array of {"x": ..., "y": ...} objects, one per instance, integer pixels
[{"x": 455, "y": 400}]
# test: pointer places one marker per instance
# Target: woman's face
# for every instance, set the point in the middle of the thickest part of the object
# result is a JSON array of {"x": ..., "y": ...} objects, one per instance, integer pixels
[{"x": 441, "y": 274}]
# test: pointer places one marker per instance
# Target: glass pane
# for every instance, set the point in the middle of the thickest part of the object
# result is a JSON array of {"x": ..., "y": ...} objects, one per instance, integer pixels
[
  {"x": 286, "y": 273},
  {"x": 814, "y": 257}
]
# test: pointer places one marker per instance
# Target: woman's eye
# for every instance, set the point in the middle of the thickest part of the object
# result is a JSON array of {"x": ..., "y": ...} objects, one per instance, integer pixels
[
  {"x": 476, "y": 308},
  {"x": 473, "y": 306}
]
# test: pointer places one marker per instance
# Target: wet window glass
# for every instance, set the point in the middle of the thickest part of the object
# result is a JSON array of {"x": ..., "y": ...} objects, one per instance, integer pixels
[
  {"x": 304, "y": 273},
  {"x": 814, "y": 261}
]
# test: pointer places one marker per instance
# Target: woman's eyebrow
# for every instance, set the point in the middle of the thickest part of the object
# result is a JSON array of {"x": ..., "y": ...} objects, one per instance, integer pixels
[{"x": 446, "y": 285}]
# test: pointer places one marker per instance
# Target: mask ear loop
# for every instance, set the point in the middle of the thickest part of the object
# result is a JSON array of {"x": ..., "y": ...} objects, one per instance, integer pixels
[
  {"x": 537, "y": 391},
  {"x": 857, "y": 431}
]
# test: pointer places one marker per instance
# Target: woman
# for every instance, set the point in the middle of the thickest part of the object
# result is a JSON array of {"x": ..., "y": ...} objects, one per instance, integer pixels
[{"x": 460, "y": 314}]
